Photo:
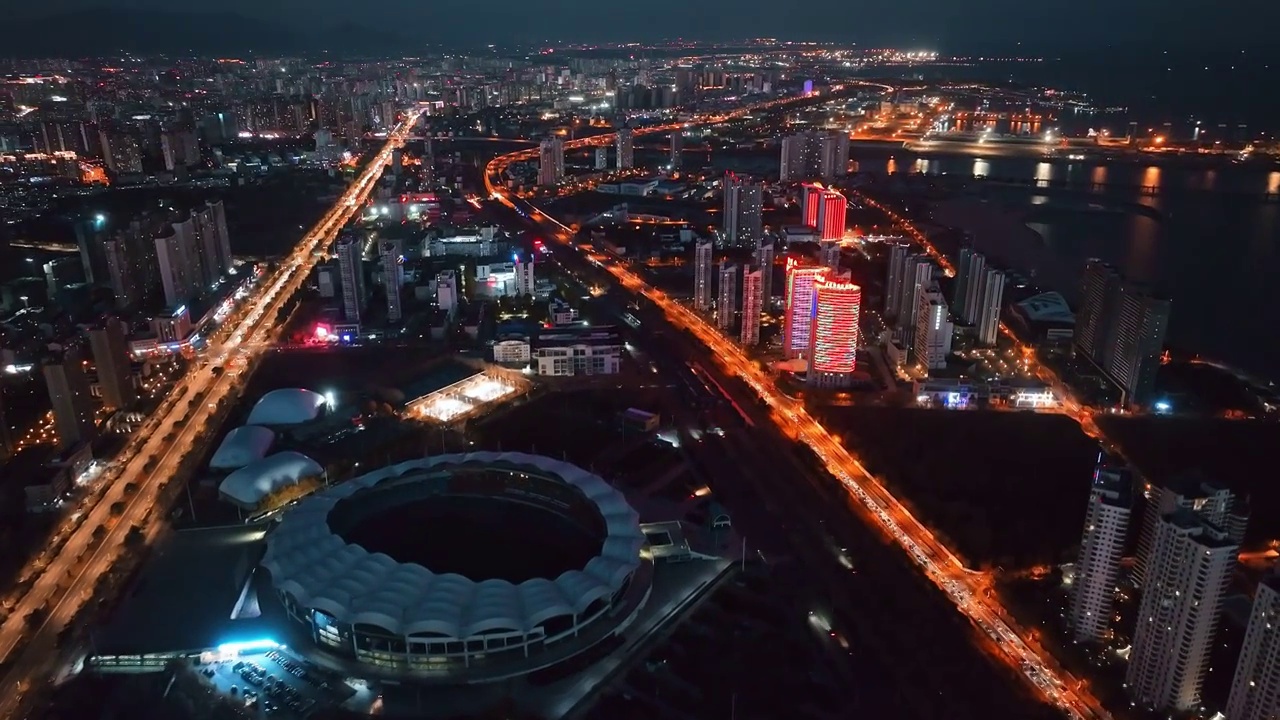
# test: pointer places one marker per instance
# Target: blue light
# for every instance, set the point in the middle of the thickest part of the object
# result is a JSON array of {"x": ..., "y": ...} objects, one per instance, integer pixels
[
  {"x": 515, "y": 258},
  {"x": 1163, "y": 406},
  {"x": 248, "y": 646}
]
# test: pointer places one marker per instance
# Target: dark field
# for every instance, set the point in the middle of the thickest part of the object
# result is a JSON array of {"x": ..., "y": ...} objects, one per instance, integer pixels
[{"x": 1004, "y": 489}]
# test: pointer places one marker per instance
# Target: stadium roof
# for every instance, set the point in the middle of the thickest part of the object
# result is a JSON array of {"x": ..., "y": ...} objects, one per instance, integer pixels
[
  {"x": 286, "y": 406},
  {"x": 242, "y": 446},
  {"x": 323, "y": 571},
  {"x": 247, "y": 486},
  {"x": 1050, "y": 307}
]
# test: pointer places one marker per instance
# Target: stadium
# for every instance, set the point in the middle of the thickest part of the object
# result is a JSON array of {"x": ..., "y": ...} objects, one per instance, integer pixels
[{"x": 502, "y": 562}]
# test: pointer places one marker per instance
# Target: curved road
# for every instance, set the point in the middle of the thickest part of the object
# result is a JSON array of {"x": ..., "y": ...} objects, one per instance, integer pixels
[{"x": 70, "y": 579}]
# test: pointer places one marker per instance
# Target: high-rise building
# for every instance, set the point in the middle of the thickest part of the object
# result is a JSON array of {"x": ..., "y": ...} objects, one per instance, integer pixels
[
  {"x": 677, "y": 149},
  {"x": 1106, "y": 522},
  {"x": 703, "y": 254},
  {"x": 814, "y": 155},
  {"x": 752, "y": 287},
  {"x": 834, "y": 337},
  {"x": 551, "y": 161},
  {"x": 393, "y": 274},
  {"x": 792, "y": 165},
  {"x": 727, "y": 306},
  {"x": 743, "y": 208},
  {"x": 602, "y": 158},
  {"x": 447, "y": 292},
  {"x": 1255, "y": 688},
  {"x": 626, "y": 149},
  {"x": 831, "y": 212},
  {"x": 121, "y": 152},
  {"x": 179, "y": 263},
  {"x": 898, "y": 254},
  {"x": 798, "y": 318},
  {"x": 1212, "y": 501},
  {"x": 350, "y": 252},
  {"x": 919, "y": 274},
  {"x": 111, "y": 360},
  {"x": 1098, "y": 289},
  {"x": 180, "y": 149},
  {"x": 829, "y": 254},
  {"x": 810, "y": 199},
  {"x": 1137, "y": 341},
  {"x": 931, "y": 343},
  {"x": 970, "y": 271},
  {"x": 209, "y": 223},
  {"x": 764, "y": 261},
  {"x": 70, "y": 396},
  {"x": 524, "y": 284},
  {"x": 91, "y": 236},
  {"x": 989, "y": 299},
  {"x": 1190, "y": 566}
]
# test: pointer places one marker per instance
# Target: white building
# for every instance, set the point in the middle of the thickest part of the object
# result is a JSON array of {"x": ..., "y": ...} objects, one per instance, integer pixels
[
  {"x": 523, "y": 275},
  {"x": 551, "y": 161},
  {"x": 1216, "y": 504},
  {"x": 1255, "y": 689},
  {"x": 743, "y": 205},
  {"x": 1190, "y": 565},
  {"x": 350, "y": 253},
  {"x": 513, "y": 352},
  {"x": 987, "y": 311},
  {"x": 447, "y": 292},
  {"x": 579, "y": 351},
  {"x": 1106, "y": 522},
  {"x": 728, "y": 302},
  {"x": 752, "y": 288},
  {"x": 931, "y": 343},
  {"x": 702, "y": 256},
  {"x": 561, "y": 312}
]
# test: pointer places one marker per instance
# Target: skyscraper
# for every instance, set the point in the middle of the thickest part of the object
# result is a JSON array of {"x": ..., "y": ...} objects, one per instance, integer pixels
[
  {"x": 931, "y": 343},
  {"x": 798, "y": 319},
  {"x": 752, "y": 285},
  {"x": 393, "y": 273},
  {"x": 970, "y": 271},
  {"x": 764, "y": 260},
  {"x": 833, "y": 342},
  {"x": 726, "y": 307},
  {"x": 524, "y": 274},
  {"x": 898, "y": 254},
  {"x": 350, "y": 254},
  {"x": 810, "y": 199},
  {"x": 91, "y": 236},
  {"x": 133, "y": 270},
  {"x": 703, "y": 253},
  {"x": 111, "y": 360},
  {"x": 814, "y": 155},
  {"x": 1137, "y": 341},
  {"x": 550, "y": 161},
  {"x": 626, "y": 149},
  {"x": 918, "y": 275},
  {"x": 1106, "y": 522},
  {"x": 1098, "y": 289},
  {"x": 1190, "y": 565},
  {"x": 177, "y": 254},
  {"x": 209, "y": 224},
  {"x": 829, "y": 254},
  {"x": 69, "y": 394},
  {"x": 677, "y": 149},
  {"x": 792, "y": 164},
  {"x": 743, "y": 207},
  {"x": 1212, "y": 501},
  {"x": 1255, "y": 688},
  {"x": 831, "y": 212},
  {"x": 989, "y": 299}
]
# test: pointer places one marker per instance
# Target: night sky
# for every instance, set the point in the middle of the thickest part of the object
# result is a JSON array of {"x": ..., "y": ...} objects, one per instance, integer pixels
[{"x": 950, "y": 25}]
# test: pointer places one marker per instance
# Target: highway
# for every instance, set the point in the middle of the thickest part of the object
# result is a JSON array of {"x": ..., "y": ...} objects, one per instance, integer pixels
[
  {"x": 156, "y": 455},
  {"x": 967, "y": 590}
]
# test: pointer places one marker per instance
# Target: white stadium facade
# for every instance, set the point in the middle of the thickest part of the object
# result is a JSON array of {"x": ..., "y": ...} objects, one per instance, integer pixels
[{"x": 399, "y": 617}]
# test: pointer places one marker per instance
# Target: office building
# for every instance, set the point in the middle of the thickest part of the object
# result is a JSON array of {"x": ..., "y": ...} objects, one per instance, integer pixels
[
  {"x": 764, "y": 261},
  {"x": 931, "y": 343},
  {"x": 798, "y": 318},
  {"x": 1190, "y": 566},
  {"x": 814, "y": 154},
  {"x": 1106, "y": 522},
  {"x": 726, "y": 307},
  {"x": 702, "y": 258},
  {"x": 551, "y": 161},
  {"x": 677, "y": 150},
  {"x": 602, "y": 158},
  {"x": 70, "y": 395},
  {"x": 743, "y": 208},
  {"x": 970, "y": 272},
  {"x": 898, "y": 254},
  {"x": 829, "y": 254},
  {"x": 350, "y": 252},
  {"x": 989, "y": 299},
  {"x": 626, "y": 149},
  {"x": 752, "y": 305},
  {"x": 1255, "y": 688},
  {"x": 833, "y": 342},
  {"x": 111, "y": 360},
  {"x": 393, "y": 276},
  {"x": 1137, "y": 341},
  {"x": 1212, "y": 501}
]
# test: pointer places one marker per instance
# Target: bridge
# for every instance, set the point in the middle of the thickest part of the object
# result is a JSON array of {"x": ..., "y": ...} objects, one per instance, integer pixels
[{"x": 1091, "y": 187}]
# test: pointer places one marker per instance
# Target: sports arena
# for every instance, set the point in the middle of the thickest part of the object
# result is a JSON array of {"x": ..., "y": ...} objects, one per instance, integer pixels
[{"x": 501, "y": 560}]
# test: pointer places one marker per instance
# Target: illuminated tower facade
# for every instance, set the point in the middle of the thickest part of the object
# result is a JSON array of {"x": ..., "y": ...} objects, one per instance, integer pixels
[
  {"x": 833, "y": 343},
  {"x": 1106, "y": 523},
  {"x": 752, "y": 287},
  {"x": 830, "y": 220},
  {"x": 1255, "y": 689},
  {"x": 702, "y": 256},
  {"x": 797, "y": 322},
  {"x": 727, "y": 306}
]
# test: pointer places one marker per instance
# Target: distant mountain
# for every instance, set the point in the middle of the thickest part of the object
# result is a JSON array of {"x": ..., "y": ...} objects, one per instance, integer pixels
[{"x": 104, "y": 32}]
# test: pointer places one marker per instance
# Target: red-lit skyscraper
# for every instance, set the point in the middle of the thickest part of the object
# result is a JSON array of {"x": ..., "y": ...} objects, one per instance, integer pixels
[
  {"x": 830, "y": 219},
  {"x": 833, "y": 342},
  {"x": 810, "y": 198},
  {"x": 797, "y": 323}
]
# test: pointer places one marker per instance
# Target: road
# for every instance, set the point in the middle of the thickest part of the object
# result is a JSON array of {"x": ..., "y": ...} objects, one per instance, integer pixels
[
  {"x": 70, "y": 579},
  {"x": 966, "y": 589}
]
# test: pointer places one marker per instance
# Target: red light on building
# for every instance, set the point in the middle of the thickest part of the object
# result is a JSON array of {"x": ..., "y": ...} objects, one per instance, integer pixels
[
  {"x": 811, "y": 193},
  {"x": 830, "y": 216},
  {"x": 836, "y": 314},
  {"x": 797, "y": 322}
]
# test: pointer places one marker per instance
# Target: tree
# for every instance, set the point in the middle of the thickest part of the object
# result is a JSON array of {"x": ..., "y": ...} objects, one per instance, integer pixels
[{"x": 287, "y": 494}]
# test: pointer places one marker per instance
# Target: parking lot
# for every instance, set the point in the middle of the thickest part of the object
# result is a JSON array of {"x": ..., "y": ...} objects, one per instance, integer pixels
[{"x": 278, "y": 683}]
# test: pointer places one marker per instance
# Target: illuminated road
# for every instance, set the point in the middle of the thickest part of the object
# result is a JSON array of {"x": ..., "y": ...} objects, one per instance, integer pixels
[
  {"x": 71, "y": 577},
  {"x": 968, "y": 590}
]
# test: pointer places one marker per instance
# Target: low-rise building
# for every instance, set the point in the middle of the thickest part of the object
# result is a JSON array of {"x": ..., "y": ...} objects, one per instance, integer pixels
[
  {"x": 564, "y": 352},
  {"x": 511, "y": 352}
]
